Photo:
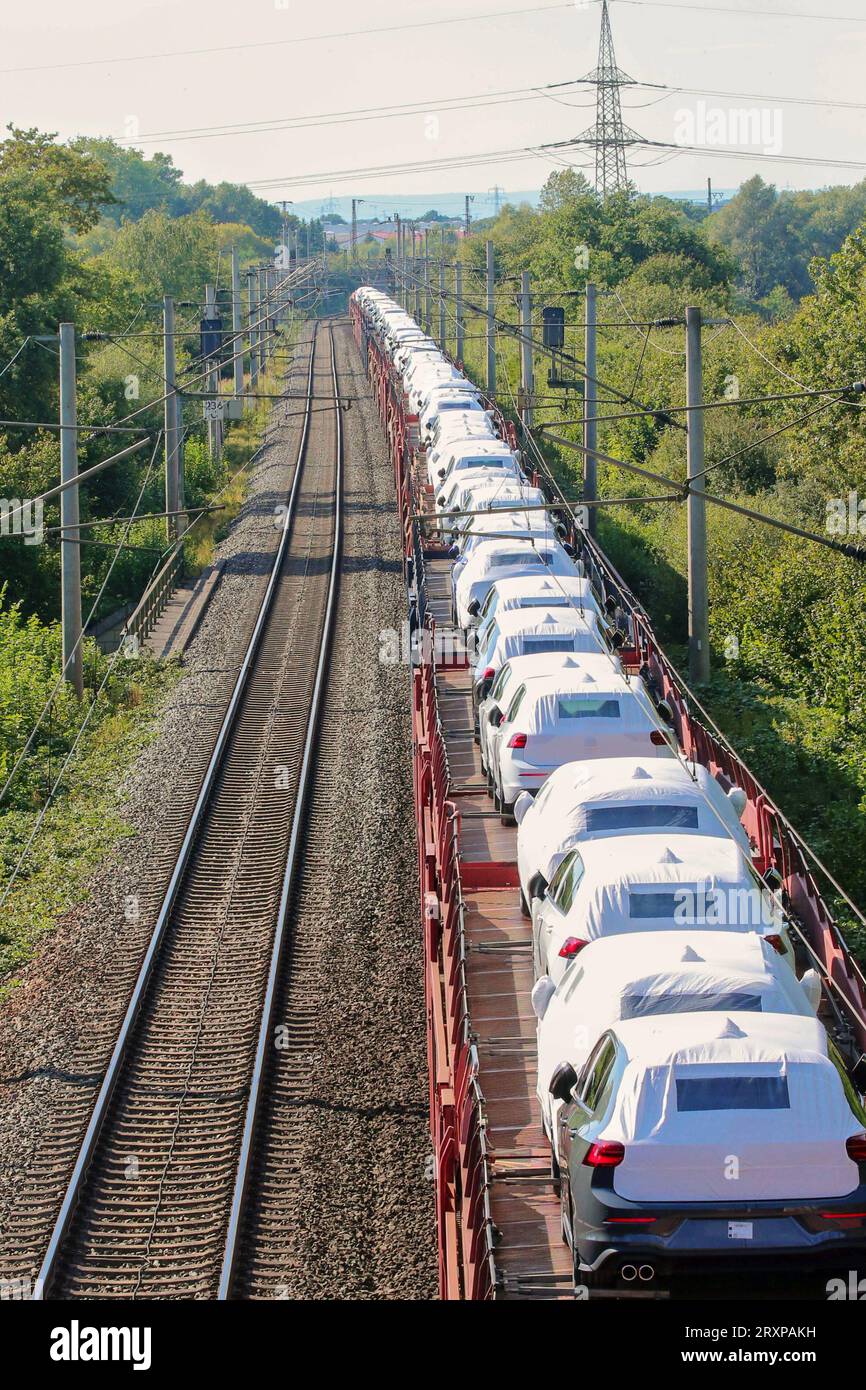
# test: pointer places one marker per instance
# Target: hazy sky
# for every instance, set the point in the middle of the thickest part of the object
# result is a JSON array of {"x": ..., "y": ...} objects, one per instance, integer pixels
[{"x": 268, "y": 76}]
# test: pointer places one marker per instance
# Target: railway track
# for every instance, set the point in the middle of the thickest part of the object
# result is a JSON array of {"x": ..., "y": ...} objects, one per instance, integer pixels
[{"x": 156, "y": 1202}]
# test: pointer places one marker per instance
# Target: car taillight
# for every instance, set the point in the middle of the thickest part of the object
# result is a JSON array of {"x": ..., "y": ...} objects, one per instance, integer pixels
[
  {"x": 629, "y": 1221},
  {"x": 777, "y": 943},
  {"x": 658, "y": 738},
  {"x": 608, "y": 1154},
  {"x": 488, "y": 673},
  {"x": 856, "y": 1147},
  {"x": 517, "y": 741},
  {"x": 571, "y": 946}
]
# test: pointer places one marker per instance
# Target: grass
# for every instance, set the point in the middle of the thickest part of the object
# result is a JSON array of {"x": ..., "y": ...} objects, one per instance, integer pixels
[{"x": 84, "y": 824}]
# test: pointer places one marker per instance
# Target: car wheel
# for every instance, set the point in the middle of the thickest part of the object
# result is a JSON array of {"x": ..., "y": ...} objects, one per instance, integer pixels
[
  {"x": 555, "y": 1175},
  {"x": 524, "y": 905},
  {"x": 506, "y": 812}
]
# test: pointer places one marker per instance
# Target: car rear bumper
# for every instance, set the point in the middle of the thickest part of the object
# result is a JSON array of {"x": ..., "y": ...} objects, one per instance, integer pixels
[{"x": 704, "y": 1246}]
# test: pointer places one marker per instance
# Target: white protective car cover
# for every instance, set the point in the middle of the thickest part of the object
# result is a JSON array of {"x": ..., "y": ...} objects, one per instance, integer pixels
[
  {"x": 531, "y": 592},
  {"x": 535, "y": 526},
  {"x": 562, "y": 815},
  {"x": 540, "y": 717},
  {"x": 456, "y": 424},
  {"x": 492, "y": 497},
  {"x": 533, "y": 627},
  {"x": 456, "y": 464},
  {"x": 692, "y": 881},
  {"x": 546, "y": 664},
  {"x": 481, "y": 438},
  {"x": 504, "y": 559},
  {"x": 763, "y": 1153},
  {"x": 658, "y": 974},
  {"x": 462, "y": 483}
]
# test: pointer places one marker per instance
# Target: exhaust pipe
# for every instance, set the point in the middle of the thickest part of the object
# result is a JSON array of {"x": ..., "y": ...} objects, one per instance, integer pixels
[
  {"x": 646, "y": 1273},
  {"x": 629, "y": 1273}
]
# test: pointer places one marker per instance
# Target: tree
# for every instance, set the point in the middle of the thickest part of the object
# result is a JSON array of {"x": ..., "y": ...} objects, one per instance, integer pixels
[
  {"x": 80, "y": 182},
  {"x": 167, "y": 255},
  {"x": 137, "y": 183}
]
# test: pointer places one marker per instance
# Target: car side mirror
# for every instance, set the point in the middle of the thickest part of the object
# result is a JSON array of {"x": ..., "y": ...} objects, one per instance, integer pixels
[
  {"x": 522, "y": 805},
  {"x": 563, "y": 1082},
  {"x": 773, "y": 879},
  {"x": 473, "y": 608},
  {"x": 495, "y": 717},
  {"x": 738, "y": 800},
  {"x": 665, "y": 713},
  {"x": 542, "y": 992},
  {"x": 441, "y": 473},
  {"x": 812, "y": 988},
  {"x": 569, "y": 549}
]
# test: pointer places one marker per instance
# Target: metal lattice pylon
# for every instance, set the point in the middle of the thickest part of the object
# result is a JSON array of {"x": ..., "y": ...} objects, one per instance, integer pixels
[{"x": 609, "y": 136}]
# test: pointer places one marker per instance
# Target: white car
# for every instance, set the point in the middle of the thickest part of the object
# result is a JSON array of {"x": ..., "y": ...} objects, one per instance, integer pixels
[
  {"x": 484, "y": 451},
  {"x": 618, "y": 978},
  {"x": 428, "y": 376},
  {"x": 598, "y": 713},
  {"x": 461, "y": 424},
  {"x": 502, "y": 494},
  {"x": 463, "y": 483},
  {"x": 650, "y": 883},
  {"x": 505, "y": 560},
  {"x": 411, "y": 350},
  {"x": 530, "y": 632},
  {"x": 516, "y": 672},
  {"x": 540, "y": 591},
  {"x": 501, "y": 526},
  {"x": 439, "y": 400},
  {"x": 604, "y": 797}
]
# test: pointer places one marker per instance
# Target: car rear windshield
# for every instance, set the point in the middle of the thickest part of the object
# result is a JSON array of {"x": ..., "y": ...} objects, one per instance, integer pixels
[
  {"x": 534, "y": 646},
  {"x": 679, "y": 904},
  {"x": 579, "y": 707},
  {"x": 733, "y": 1093},
  {"x": 542, "y": 601},
  {"x": 520, "y": 557},
  {"x": 648, "y": 1005},
  {"x": 650, "y": 817}
]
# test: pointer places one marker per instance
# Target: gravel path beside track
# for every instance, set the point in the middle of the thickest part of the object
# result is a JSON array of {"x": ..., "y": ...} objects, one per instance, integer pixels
[{"x": 366, "y": 1218}]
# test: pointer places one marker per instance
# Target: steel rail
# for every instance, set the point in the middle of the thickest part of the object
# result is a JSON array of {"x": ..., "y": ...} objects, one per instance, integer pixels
[
  {"x": 48, "y": 1268},
  {"x": 294, "y": 859}
]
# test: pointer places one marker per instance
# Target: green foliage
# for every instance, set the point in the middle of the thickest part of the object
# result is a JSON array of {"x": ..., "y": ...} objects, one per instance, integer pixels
[
  {"x": 775, "y": 236},
  {"x": 79, "y": 180},
  {"x": 82, "y": 826},
  {"x": 166, "y": 255}
]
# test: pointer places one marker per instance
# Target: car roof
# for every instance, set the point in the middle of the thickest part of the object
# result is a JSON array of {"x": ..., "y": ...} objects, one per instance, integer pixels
[
  {"x": 535, "y": 586},
  {"x": 634, "y": 955},
  {"x": 665, "y": 1040},
  {"x": 532, "y": 619}
]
